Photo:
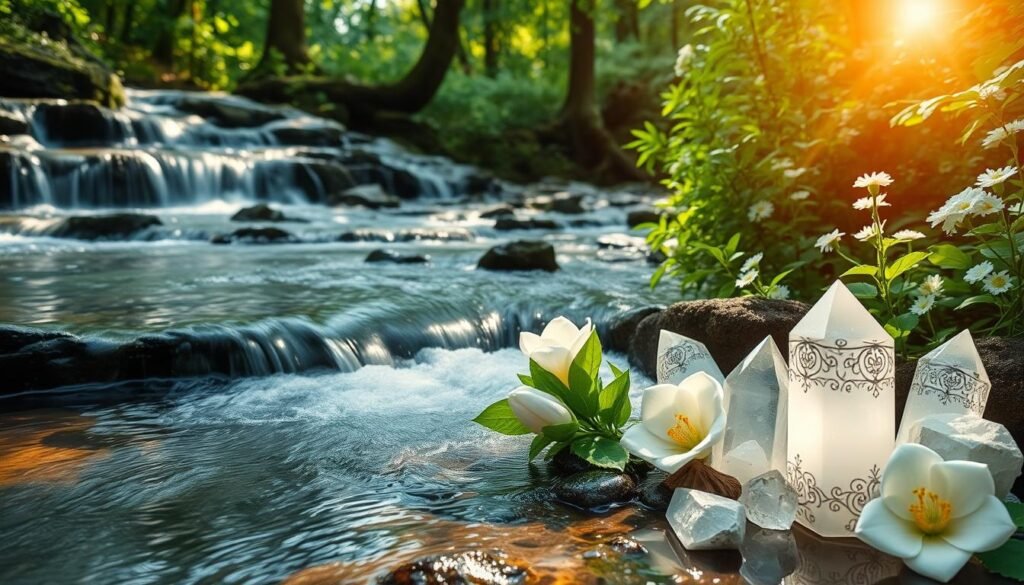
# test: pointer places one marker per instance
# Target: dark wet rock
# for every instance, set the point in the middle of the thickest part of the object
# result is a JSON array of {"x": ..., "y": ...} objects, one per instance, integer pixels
[
  {"x": 395, "y": 257},
  {"x": 623, "y": 200},
  {"x": 262, "y": 235},
  {"x": 1004, "y": 362},
  {"x": 11, "y": 124},
  {"x": 654, "y": 494},
  {"x": 322, "y": 181},
  {"x": 586, "y": 223},
  {"x": 465, "y": 568},
  {"x": 369, "y": 196},
  {"x": 620, "y": 241},
  {"x": 260, "y": 212},
  {"x": 509, "y": 223},
  {"x": 497, "y": 211},
  {"x": 481, "y": 182},
  {"x": 730, "y": 328},
  {"x": 117, "y": 226},
  {"x": 622, "y": 327},
  {"x": 229, "y": 112},
  {"x": 565, "y": 462},
  {"x": 595, "y": 488},
  {"x": 627, "y": 546},
  {"x": 409, "y": 235},
  {"x": 79, "y": 124},
  {"x": 323, "y": 135},
  {"x": 561, "y": 202},
  {"x": 520, "y": 255},
  {"x": 635, "y": 218}
]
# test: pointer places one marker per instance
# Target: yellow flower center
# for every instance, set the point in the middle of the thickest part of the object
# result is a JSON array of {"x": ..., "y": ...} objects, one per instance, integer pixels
[
  {"x": 931, "y": 513},
  {"x": 998, "y": 282},
  {"x": 685, "y": 433},
  {"x": 965, "y": 205}
]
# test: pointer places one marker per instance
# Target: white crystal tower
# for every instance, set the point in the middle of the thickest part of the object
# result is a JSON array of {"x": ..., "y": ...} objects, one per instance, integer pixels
[
  {"x": 679, "y": 356},
  {"x": 755, "y": 406},
  {"x": 950, "y": 379},
  {"x": 842, "y": 405}
]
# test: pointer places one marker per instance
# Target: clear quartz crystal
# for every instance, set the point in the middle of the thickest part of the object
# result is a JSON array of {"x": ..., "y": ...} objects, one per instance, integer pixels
[
  {"x": 770, "y": 501},
  {"x": 704, "y": 521},
  {"x": 769, "y": 556}
]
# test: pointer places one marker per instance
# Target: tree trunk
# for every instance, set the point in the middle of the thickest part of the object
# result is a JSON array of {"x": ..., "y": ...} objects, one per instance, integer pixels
[
  {"x": 286, "y": 36},
  {"x": 627, "y": 26},
  {"x": 491, "y": 45},
  {"x": 127, "y": 27},
  {"x": 677, "y": 10},
  {"x": 408, "y": 95},
  {"x": 371, "y": 20},
  {"x": 163, "y": 48}
]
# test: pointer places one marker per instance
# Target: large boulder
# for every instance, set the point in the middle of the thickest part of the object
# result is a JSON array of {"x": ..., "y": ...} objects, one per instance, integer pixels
[
  {"x": 261, "y": 235},
  {"x": 229, "y": 112},
  {"x": 11, "y": 124},
  {"x": 730, "y": 328},
  {"x": 395, "y": 258},
  {"x": 622, "y": 327},
  {"x": 258, "y": 212},
  {"x": 79, "y": 124},
  {"x": 520, "y": 255},
  {"x": 116, "y": 226}
]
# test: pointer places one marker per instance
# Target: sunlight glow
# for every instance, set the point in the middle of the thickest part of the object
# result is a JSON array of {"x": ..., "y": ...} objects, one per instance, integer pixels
[{"x": 918, "y": 15}]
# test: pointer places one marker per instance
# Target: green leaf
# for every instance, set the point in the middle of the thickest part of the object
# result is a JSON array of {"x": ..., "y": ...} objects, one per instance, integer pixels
[
  {"x": 862, "y": 270},
  {"x": 778, "y": 277},
  {"x": 615, "y": 406},
  {"x": 555, "y": 449},
  {"x": 540, "y": 442},
  {"x": 499, "y": 418},
  {"x": 977, "y": 300},
  {"x": 1006, "y": 560},
  {"x": 1016, "y": 513},
  {"x": 904, "y": 263},
  {"x": 583, "y": 374},
  {"x": 601, "y": 451},
  {"x": 901, "y": 325},
  {"x": 863, "y": 290},
  {"x": 949, "y": 256},
  {"x": 562, "y": 432},
  {"x": 526, "y": 380},
  {"x": 548, "y": 382},
  {"x": 732, "y": 244}
]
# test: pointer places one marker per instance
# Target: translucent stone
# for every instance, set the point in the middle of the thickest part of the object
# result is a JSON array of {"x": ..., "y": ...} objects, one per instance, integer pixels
[
  {"x": 949, "y": 379},
  {"x": 756, "y": 399},
  {"x": 968, "y": 437},
  {"x": 679, "y": 357},
  {"x": 769, "y": 556},
  {"x": 770, "y": 501},
  {"x": 704, "y": 521}
]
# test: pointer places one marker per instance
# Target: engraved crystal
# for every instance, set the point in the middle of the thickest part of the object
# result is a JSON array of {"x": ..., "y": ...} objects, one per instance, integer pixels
[{"x": 679, "y": 357}]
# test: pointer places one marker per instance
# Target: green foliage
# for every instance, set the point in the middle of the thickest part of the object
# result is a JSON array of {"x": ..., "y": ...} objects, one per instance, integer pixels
[
  {"x": 499, "y": 418},
  {"x": 1006, "y": 560}
]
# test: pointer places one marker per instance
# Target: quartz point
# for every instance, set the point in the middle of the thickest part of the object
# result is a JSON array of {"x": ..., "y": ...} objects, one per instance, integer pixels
[
  {"x": 755, "y": 401},
  {"x": 704, "y": 521},
  {"x": 770, "y": 501},
  {"x": 679, "y": 357},
  {"x": 949, "y": 379}
]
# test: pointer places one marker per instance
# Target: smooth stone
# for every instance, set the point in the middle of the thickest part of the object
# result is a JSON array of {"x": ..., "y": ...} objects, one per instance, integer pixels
[
  {"x": 263, "y": 235},
  {"x": 497, "y": 211},
  {"x": 395, "y": 257},
  {"x": 968, "y": 437},
  {"x": 635, "y": 218},
  {"x": 559, "y": 202},
  {"x": 594, "y": 489},
  {"x": 627, "y": 546},
  {"x": 621, "y": 242},
  {"x": 473, "y": 567},
  {"x": 520, "y": 255},
  {"x": 260, "y": 212},
  {"x": 623, "y": 326},
  {"x": 509, "y": 223},
  {"x": 369, "y": 196},
  {"x": 11, "y": 124},
  {"x": 565, "y": 462},
  {"x": 409, "y": 235},
  {"x": 770, "y": 502},
  {"x": 229, "y": 112},
  {"x": 117, "y": 226},
  {"x": 769, "y": 556},
  {"x": 704, "y": 521},
  {"x": 654, "y": 494}
]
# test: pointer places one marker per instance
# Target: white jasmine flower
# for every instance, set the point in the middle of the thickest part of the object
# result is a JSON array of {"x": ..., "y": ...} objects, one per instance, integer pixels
[
  {"x": 872, "y": 182},
  {"x": 779, "y": 291},
  {"x": 998, "y": 283},
  {"x": 931, "y": 286},
  {"x": 800, "y": 195},
  {"x": 868, "y": 232},
  {"x": 994, "y": 137},
  {"x": 683, "y": 59},
  {"x": 746, "y": 278},
  {"x": 978, "y": 271},
  {"x": 995, "y": 176},
  {"x": 922, "y": 304},
  {"x": 986, "y": 204},
  {"x": 907, "y": 235},
  {"x": 828, "y": 240},
  {"x": 760, "y": 210},
  {"x": 752, "y": 262}
]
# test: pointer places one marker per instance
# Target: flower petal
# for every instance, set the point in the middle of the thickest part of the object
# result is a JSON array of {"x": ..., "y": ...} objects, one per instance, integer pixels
[
  {"x": 581, "y": 339},
  {"x": 908, "y": 468},
  {"x": 530, "y": 342},
  {"x": 887, "y": 532},
  {"x": 657, "y": 408},
  {"x": 705, "y": 398},
  {"x": 938, "y": 559},
  {"x": 662, "y": 454},
  {"x": 554, "y": 359},
  {"x": 536, "y": 409},
  {"x": 561, "y": 331},
  {"x": 965, "y": 484},
  {"x": 985, "y": 529}
]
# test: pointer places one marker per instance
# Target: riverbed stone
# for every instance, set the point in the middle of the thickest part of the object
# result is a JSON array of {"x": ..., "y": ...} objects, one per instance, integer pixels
[
  {"x": 395, "y": 258},
  {"x": 116, "y": 226},
  {"x": 637, "y": 217},
  {"x": 229, "y": 112},
  {"x": 463, "y": 568},
  {"x": 704, "y": 521},
  {"x": 324, "y": 135},
  {"x": 654, "y": 493},
  {"x": 595, "y": 488},
  {"x": 623, "y": 326},
  {"x": 261, "y": 235},
  {"x": 497, "y": 211},
  {"x": 511, "y": 223},
  {"x": 520, "y": 255},
  {"x": 560, "y": 202},
  {"x": 259, "y": 212},
  {"x": 565, "y": 462},
  {"x": 12, "y": 124},
  {"x": 370, "y": 196},
  {"x": 409, "y": 235},
  {"x": 730, "y": 328},
  {"x": 968, "y": 437}
]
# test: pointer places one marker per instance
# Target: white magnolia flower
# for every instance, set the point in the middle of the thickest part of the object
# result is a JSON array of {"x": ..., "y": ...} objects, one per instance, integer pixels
[
  {"x": 752, "y": 262},
  {"x": 683, "y": 59},
  {"x": 536, "y": 409},
  {"x": 986, "y": 204},
  {"x": 931, "y": 285},
  {"x": 994, "y": 137},
  {"x": 907, "y": 235},
  {"x": 993, "y": 177},
  {"x": 872, "y": 182},
  {"x": 678, "y": 423},
  {"x": 799, "y": 195},
  {"x": 922, "y": 304},
  {"x": 978, "y": 271},
  {"x": 760, "y": 210},
  {"x": 934, "y": 514},
  {"x": 827, "y": 241},
  {"x": 998, "y": 283},
  {"x": 779, "y": 291},
  {"x": 746, "y": 278},
  {"x": 865, "y": 202},
  {"x": 556, "y": 347}
]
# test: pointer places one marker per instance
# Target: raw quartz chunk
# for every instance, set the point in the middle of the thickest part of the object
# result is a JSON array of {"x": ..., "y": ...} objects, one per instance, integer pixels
[
  {"x": 770, "y": 501},
  {"x": 704, "y": 521}
]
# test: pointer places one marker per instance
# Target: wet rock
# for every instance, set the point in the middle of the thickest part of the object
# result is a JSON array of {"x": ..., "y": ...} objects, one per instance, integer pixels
[
  {"x": 117, "y": 226},
  {"x": 11, "y": 124},
  {"x": 79, "y": 124},
  {"x": 510, "y": 223},
  {"x": 654, "y": 494},
  {"x": 622, "y": 328},
  {"x": 520, "y": 255},
  {"x": 704, "y": 521},
  {"x": 595, "y": 488},
  {"x": 565, "y": 462},
  {"x": 409, "y": 235},
  {"x": 620, "y": 242},
  {"x": 586, "y": 223},
  {"x": 465, "y": 568},
  {"x": 627, "y": 546},
  {"x": 730, "y": 328},
  {"x": 320, "y": 135},
  {"x": 322, "y": 180},
  {"x": 229, "y": 112},
  {"x": 395, "y": 257},
  {"x": 497, "y": 211},
  {"x": 561, "y": 202},
  {"x": 263, "y": 235},
  {"x": 260, "y": 212},
  {"x": 635, "y": 218},
  {"x": 369, "y": 196}
]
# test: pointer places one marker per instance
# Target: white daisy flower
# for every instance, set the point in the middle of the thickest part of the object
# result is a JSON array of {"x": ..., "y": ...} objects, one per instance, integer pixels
[
  {"x": 931, "y": 286},
  {"x": 827, "y": 241},
  {"x": 907, "y": 235},
  {"x": 956, "y": 209},
  {"x": 995, "y": 176},
  {"x": 746, "y": 278},
  {"x": 989, "y": 91},
  {"x": 987, "y": 204},
  {"x": 998, "y": 283},
  {"x": 872, "y": 182},
  {"x": 800, "y": 195},
  {"x": 994, "y": 137},
  {"x": 779, "y": 291},
  {"x": 866, "y": 233},
  {"x": 760, "y": 210},
  {"x": 683, "y": 59},
  {"x": 752, "y": 262},
  {"x": 865, "y": 202},
  {"x": 978, "y": 271},
  {"x": 923, "y": 304}
]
